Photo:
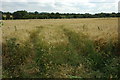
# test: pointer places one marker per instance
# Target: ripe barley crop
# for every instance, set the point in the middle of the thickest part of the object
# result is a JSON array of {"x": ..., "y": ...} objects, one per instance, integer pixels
[{"x": 61, "y": 48}]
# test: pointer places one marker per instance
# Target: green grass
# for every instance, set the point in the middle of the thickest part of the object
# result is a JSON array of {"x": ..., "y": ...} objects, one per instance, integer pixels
[
  {"x": 1, "y": 23},
  {"x": 14, "y": 56},
  {"x": 80, "y": 58}
]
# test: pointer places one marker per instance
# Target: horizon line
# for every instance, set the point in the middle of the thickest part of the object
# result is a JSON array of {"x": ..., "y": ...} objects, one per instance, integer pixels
[{"x": 58, "y": 12}]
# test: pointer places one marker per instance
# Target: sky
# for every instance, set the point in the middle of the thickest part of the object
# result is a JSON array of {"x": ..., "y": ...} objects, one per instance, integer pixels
[{"x": 61, "y": 6}]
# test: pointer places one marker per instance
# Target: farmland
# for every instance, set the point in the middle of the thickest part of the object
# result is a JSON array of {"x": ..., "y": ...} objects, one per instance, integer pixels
[{"x": 60, "y": 48}]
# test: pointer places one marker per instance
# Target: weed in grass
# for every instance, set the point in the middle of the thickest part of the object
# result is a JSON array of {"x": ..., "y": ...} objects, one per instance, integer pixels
[
  {"x": 15, "y": 28},
  {"x": 93, "y": 60},
  {"x": 99, "y": 28},
  {"x": 85, "y": 27},
  {"x": 14, "y": 55},
  {"x": 1, "y": 23}
]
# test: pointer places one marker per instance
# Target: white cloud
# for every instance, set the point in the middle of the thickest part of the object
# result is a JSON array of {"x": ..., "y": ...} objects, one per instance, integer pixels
[
  {"x": 14, "y": 0},
  {"x": 72, "y": 6},
  {"x": 70, "y": 1},
  {"x": 0, "y": 5}
]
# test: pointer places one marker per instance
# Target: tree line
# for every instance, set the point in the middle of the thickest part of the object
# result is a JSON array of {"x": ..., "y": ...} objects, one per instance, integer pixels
[{"x": 44, "y": 15}]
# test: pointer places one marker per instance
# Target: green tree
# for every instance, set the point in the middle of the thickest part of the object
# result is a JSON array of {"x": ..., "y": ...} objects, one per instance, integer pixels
[
  {"x": 8, "y": 15},
  {"x": 20, "y": 15},
  {"x": 0, "y": 15}
]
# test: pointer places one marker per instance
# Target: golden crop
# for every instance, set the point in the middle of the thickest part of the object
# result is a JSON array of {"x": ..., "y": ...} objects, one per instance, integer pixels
[{"x": 60, "y": 48}]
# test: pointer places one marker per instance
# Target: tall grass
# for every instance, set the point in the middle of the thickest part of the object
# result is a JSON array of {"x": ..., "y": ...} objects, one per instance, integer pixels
[
  {"x": 79, "y": 58},
  {"x": 14, "y": 56},
  {"x": 96, "y": 61}
]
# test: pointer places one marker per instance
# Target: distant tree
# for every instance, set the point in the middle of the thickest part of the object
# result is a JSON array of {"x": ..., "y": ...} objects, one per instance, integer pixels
[
  {"x": 87, "y": 15},
  {"x": 102, "y": 15},
  {"x": 36, "y": 13},
  {"x": 0, "y": 15},
  {"x": 20, "y": 15},
  {"x": 8, "y": 15},
  {"x": 44, "y": 15},
  {"x": 118, "y": 15},
  {"x": 57, "y": 15},
  {"x": 113, "y": 15}
]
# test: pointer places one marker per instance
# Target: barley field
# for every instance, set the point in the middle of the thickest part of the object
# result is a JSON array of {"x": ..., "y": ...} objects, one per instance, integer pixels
[{"x": 60, "y": 48}]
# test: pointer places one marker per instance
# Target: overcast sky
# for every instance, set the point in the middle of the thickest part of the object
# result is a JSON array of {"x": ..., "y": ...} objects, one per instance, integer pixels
[{"x": 62, "y": 6}]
